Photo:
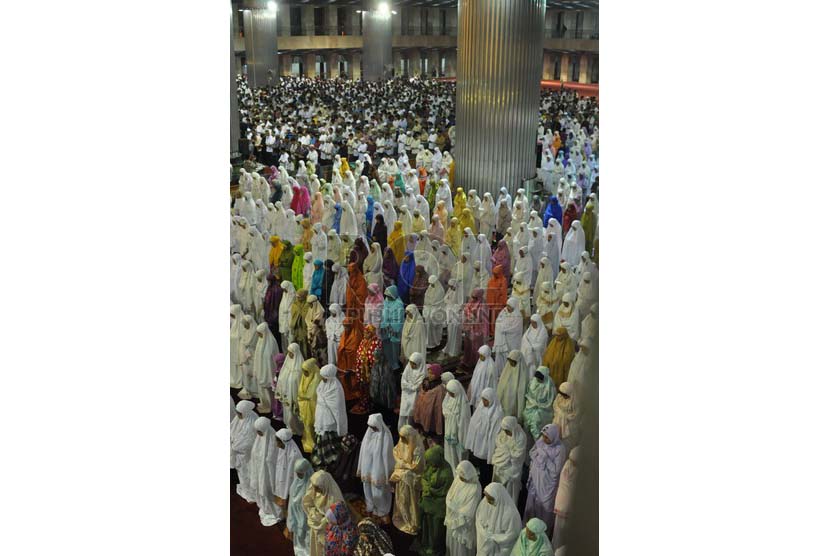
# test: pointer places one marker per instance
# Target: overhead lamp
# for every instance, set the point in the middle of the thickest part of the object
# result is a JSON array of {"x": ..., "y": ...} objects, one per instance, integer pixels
[
  {"x": 383, "y": 9},
  {"x": 272, "y": 6}
]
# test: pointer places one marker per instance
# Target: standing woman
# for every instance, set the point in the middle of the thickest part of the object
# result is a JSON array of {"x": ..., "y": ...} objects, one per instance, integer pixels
[
  {"x": 288, "y": 296},
  {"x": 288, "y": 386},
  {"x": 243, "y": 436},
  {"x": 534, "y": 342},
  {"x": 316, "y": 327},
  {"x": 307, "y": 401},
  {"x": 373, "y": 267},
  {"x": 372, "y": 541},
  {"x": 564, "y": 497},
  {"x": 482, "y": 432},
  {"x": 512, "y": 385},
  {"x": 409, "y": 466},
  {"x": 390, "y": 269},
  {"x": 373, "y": 306},
  {"x": 560, "y": 351},
  {"x": 374, "y": 467},
  {"x": 547, "y": 458},
  {"x": 411, "y": 380},
  {"x": 498, "y": 522},
  {"x": 414, "y": 334},
  {"x": 334, "y": 331},
  {"x": 456, "y": 411},
  {"x": 475, "y": 326},
  {"x": 533, "y": 541},
  {"x": 435, "y": 484},
  {"x": 296, "y": 525},
  {"x": 330, "y": 419},
  {"x": 236, "y": 324},
  {"x": 245, "y": 357},
  {"x": 356, "y": 293},
  {"x": 366, "y": 355},
  {"x": 319, "y": 497},
  {"x": 462, "y": 501},
  {"x": 266, "y": 347},
  {"x": 347, "y": 357},
  {"x": 509, "y": 456},
  {"x": 539, "y": 402},
  {"x": 341, "y": 533},
  {"x": 263, "y": 472},
  {"x": 391, "y": 326},
  {"x": 453, "y": 306},
  {"x": 298, "y": 325}
]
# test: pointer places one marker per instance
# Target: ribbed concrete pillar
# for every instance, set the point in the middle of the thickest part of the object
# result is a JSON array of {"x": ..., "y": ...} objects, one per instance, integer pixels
[
  {"x": 234, "y": 102},
  {"x": 377, "y": 45},
  {"x": 499, "y": 69},
  {"x": 260, "y": 43}
]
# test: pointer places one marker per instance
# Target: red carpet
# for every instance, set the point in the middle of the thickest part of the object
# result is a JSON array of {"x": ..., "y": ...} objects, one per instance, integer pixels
[{"x": 584, "y": 89}]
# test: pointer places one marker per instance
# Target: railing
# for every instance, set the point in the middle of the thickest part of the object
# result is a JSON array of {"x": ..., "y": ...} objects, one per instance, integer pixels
[
  {"x": 413, "y": 30},
  {"x": 592, "y": 34},
  {"x": 317, "y": 31}
]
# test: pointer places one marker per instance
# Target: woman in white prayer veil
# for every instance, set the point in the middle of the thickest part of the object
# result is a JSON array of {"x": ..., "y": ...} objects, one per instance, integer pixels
[
  {"x": 535, "y": 248},
  {"x": 409, "y": 198},
  {"x": 508, "y": 332},
  {"x": 248, "y": 210},
  {"x": 308, "y": 270},
  {"x": 318, "y": 242},
  {"x": 330, "y": 412},
  {"x": 453, "y": 304},
  {"x": 386, "y": 194},
  {"x": 574, "y": 243},
  {"x": 266, "y": 347},
  {"x": 484, "y": 426},
  {"x": 468, "y": 243},
  {"x": 590, "y": 326},
  {"x": 565, "y": 283},
  {"x": 444, "y": 194},
  {"x": 390, "y": 215},
  {"x": 349, "y": 180},
  {"x": 373, "y": 266},
  {"x": 534, "y": 342},
  {"x": 363, "y": 187},
  {"x": 245, "y": 357},
  {"x": 361, "y": 206},
  {"x": 463, "y": 274},
  {"x": 334, "y": 331},
  {"x": 236, "y": 324},
  {"x": 513, "y": 385},
  {"x": 437, "y": 160},
  {"x": 246, "y": 287},
  {"x": 288, "y": 387},
  {"x": 348, "y": 221},
  {"x": 421, "y": 203},
  {"x": 375, "y": 465},
  {"x": 524, "y": 264},
  {"x": 406, "y": 219},
  {"x": 260, "y": 286},
  {"x": 280, "y": 221},
  {"x": 423, "y": 251},
  {"x": 296, "y": 524},
  {"x": 320, "y": 496},
  {"x": 562, "y": 506},
  {"x": 586, "y": 265},
  {"x": 462, "y": 502},
  {"x": 333, "y": 246},
  {"x": 545, "y": 274},
  {"x": 509, "y": 456},
  {"x": 586, "y": 293},
  {"x": 503, "y": 194},
  {"x": 287, "y": 194},
  {"x": 498, "y": 522},
  {"x": 242, "y": 440},
  {"x": 412, "y": 379},
  {"x": 435, "y": 316},
  {"x": 484, "y": 253},
  {"x": 288, "y": 295},
  {"x": 456, "y": 411},
  {"x": 236, "y": 270},
  {"x": 414, "y": 333},
  {"x": 287, "y": 455},
  {"x": 338, "y": 287},
  {"x": 521, "y": 291},
  {"x": 263, "y": 472},
  {"x": 485, "y": 375},
  {"x": 487, "y": 217}
]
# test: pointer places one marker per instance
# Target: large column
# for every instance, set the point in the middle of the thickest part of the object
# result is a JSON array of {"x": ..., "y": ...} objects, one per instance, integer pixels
[
  {"x": 234, "y": 103},
  {"x": 414, "y": 62},
  {"x": 377, "y": 44},
  {"x": 583, "y": 69},
  {"x": 310, "y": 64},
  {"x": 260, "y": 43},
  {"x": 565, "y": 68},
  {"x": 499, "y": 69},
  {"x": 434, "y": 62},
  {"x": 334, "y": 67},
  {"x": 547, "y": 66},
  {"x": 354, "y": 65}
]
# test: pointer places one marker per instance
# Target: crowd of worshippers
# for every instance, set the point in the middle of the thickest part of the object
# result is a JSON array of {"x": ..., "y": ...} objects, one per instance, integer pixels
[
  {"x": 363, "y": 298},
  {"x": 312, "y": 120}
]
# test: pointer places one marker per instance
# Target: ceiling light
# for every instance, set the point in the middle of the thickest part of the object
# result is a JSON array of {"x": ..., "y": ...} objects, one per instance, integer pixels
[{"x": 272, "y": 6}]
